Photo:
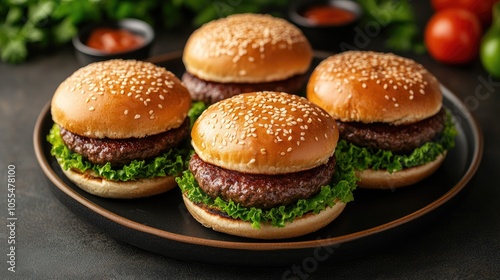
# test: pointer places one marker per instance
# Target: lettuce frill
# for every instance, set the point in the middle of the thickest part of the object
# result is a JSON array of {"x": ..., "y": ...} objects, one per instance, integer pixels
[{"x": 361, "y": 158}]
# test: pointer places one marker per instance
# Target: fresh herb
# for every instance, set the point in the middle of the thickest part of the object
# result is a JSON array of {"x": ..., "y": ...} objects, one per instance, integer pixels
[
  {"x": 36, "y": 25},
  {"x": 397, "y": 20}
]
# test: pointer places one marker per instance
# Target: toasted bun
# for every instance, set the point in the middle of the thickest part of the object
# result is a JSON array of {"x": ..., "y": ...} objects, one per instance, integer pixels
[
  {"x": 358, "y": 86},
  {"x": 120, "y": 99},
  {"x": 265, "y": 133},
  {"x": 381, "y": 179},
  {"x": 114, "y": 189},
  {"x": 247, "y": 48},
  {"x": 308, "y": 223}
]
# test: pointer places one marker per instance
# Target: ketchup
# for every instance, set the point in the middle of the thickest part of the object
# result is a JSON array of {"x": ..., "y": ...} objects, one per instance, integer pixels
[
  {"x": 114, "y": 40},
  {"x": 328, "y": 15}
]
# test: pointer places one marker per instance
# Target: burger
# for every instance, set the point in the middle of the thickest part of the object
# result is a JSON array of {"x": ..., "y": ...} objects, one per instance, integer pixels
[
  {"x": 119, "y": 128},
  {"x": 394, "y": 130},
  {"x": 264, "y": 167},
  {"x": 245, "y": 53}
]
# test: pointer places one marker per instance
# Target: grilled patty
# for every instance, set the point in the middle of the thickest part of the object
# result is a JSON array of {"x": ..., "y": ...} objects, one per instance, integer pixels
[
  {"x": 258, "y": 190},
  {"x": 211, "y": 92},
  {"x": 119, "y": 152},
  {"x": 399, "y": 139}
]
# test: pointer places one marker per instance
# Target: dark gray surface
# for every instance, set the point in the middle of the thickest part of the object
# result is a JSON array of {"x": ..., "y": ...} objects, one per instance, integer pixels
[{"x": 459, "y": 241}]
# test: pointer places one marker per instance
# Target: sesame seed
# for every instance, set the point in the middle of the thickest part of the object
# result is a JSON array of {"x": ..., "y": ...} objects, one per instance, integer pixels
[
  {"x": 137, "y": 116},
  {"x": 91, "y": 109},
  {"x": 125, "y": 112},
  {"x": 389, "y": 71}
]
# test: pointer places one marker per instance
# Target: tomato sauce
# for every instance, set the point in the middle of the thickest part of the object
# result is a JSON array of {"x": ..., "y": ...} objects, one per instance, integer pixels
[
  {"x": 114, "y": 40},
  {"x": 328, "y": 15}
]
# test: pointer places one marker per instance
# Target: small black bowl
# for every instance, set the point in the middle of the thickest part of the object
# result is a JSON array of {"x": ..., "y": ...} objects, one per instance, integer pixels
[
  {"x": 86, "y": 54},
  {"x": 331, "y": 37}
]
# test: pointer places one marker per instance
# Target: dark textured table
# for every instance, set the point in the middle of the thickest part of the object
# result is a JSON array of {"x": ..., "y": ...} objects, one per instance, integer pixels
[{"x": 460, "y": 240}]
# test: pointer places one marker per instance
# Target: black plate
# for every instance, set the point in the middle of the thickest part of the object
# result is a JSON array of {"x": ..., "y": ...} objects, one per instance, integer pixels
[{"x": 161, "y": 224}]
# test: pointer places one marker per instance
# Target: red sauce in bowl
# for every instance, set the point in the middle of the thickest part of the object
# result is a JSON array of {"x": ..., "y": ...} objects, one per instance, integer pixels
[
  {"x": 114, "y": 40},
  {"x": 328, "y": 15}
]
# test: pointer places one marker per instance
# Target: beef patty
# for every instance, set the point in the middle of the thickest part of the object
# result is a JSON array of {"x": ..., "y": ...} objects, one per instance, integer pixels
[
  {"x": 211, "y": 92},
  {"x": 119, "y": 152},
  {"x": 258, "y": 190},
  {"x": 399, "y": 139}
]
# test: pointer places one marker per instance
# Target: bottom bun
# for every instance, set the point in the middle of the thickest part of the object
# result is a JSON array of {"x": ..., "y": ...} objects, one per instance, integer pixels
[
  {"x": 308, "y": 223},
  {"x": 382, "y": 179},
  {"x": 120, "y": 189}
]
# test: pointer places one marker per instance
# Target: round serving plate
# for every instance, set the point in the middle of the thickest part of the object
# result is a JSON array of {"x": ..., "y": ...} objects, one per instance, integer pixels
[{"x": 161, "y": 224}]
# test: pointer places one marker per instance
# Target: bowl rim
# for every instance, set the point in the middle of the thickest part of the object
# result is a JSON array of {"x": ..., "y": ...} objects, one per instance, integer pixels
[
  {"x": 130, "y": 24},
  {"x": 295, "y": 8}
]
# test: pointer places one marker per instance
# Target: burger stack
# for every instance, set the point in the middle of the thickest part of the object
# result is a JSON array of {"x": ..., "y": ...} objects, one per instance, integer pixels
[
  {"x": 260, "y": 161},
  {"x": 245, "y": 53},
  {"x": 394, "y": 129}
]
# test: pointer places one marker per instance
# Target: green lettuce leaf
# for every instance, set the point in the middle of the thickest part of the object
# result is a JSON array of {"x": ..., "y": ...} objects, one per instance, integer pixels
[
  {"x": 341, "y": 188},
  {"x": 361, "y": 158},
  {"x": 195, "y": 111},
  {"x": 171, "y": 163}
]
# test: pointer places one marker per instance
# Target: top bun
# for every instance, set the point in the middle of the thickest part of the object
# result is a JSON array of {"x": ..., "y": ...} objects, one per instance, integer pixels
[
  {"x": 120, "y": 99},
  {"x": 265, "y": 133},
  {"x": 357, "y": 86},
  {"x": 247, "y": 48}
]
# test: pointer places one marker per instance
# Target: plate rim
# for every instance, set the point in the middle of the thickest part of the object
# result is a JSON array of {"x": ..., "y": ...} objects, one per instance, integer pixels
[{"x": 266, "y": 245}]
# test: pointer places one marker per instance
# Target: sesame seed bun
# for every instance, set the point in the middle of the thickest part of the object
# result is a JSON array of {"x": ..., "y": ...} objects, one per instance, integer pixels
[
  {"x": 308, "y": 223},
  {"x": 120, "y": 99},
  {"x": 359, "y": 86},
  {"x": 98, "y": 186},
  {"x": 110, "y": 109},
  {"x": 265, "y": 133},
  {"x": 378, "y": 88},
  {"x": 247, "y": 48}
]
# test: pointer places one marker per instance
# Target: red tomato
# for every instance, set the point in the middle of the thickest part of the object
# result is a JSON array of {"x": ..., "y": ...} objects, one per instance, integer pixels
[
  {"x": 481, "y": 8},
  {"x": 453, "y": 36}
]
